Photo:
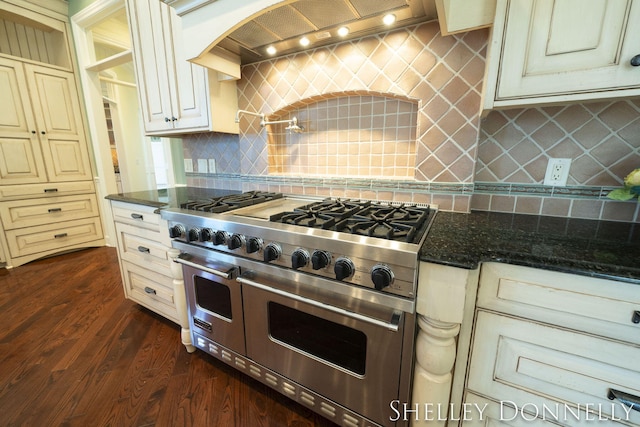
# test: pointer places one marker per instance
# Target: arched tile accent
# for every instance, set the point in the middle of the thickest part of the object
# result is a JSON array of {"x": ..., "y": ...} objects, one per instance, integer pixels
[{"x": 443, "y": 73}]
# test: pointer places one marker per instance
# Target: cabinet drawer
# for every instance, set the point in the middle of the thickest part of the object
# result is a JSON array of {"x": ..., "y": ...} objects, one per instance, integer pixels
[
  {"x": 602, "y": 307},
  {"x": 29, "y": 191},
  {"x": 44, "y": 238},
  {"x": 137, "y": 215},
  {"x": 143, "y": 247},
  {"x": 31, "y": 212},
  {"x": 150, "y": 289},
  {"x": 529, "y": 363}
]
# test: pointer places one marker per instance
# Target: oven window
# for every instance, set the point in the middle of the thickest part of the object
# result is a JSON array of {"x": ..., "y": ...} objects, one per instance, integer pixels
[
  {"x": 335, "y": 343},
  {"x": 213, "y": 296}
]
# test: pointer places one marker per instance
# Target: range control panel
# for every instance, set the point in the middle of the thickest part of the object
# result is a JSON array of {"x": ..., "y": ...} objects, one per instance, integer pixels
[{"x": 319, "y": 260}]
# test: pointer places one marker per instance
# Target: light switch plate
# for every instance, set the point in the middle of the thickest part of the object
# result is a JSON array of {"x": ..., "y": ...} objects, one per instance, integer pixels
[
  {"x": 202, "y": 165},
  {"x": 188, "y": 165},
  {"x": 212, "y": 165}
]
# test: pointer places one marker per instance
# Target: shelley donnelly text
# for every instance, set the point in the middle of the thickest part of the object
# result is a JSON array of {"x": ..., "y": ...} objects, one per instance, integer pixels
[{"x": 509, "y": 411}]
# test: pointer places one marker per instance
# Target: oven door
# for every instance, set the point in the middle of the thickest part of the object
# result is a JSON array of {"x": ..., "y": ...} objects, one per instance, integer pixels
[
  {"x": 314, "y": 338},
  {"x": 214, "y": 300}
]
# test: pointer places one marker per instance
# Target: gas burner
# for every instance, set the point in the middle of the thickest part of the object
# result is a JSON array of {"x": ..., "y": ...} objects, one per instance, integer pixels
[
  {"x": 386, "y": 222},
  {"x": 322, "y": 214},
  {"x": 365, "y": 218},
  {"x": 234, "y": 201}
]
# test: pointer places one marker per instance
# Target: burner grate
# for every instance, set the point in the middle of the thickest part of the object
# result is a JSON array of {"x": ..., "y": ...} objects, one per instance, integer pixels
[
  {"x": 324, "y": 214},
  {"x": 399, "y": 222},
  {"x": 386, "y": 222}
]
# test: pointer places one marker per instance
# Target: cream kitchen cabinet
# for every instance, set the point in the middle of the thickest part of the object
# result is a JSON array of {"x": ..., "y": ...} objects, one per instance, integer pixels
[
  {"x": 3, "y": 258},
  {"x": 544, "y": 52},
  {"x": 35, "y": 227},
  {"x": 456, "y": 16},
  {"x": 47, "y": 195},
  {"x": 555, "y": 346},
  {"x": 41, "y": 131},
  {"x": 176, "y": 96},
  {"x": 143, "y": 251}
]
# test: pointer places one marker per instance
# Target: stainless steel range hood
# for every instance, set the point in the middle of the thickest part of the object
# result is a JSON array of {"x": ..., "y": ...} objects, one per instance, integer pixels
[
  {"x": 239, "y": 31},
  {"x": 319, "y": 21}
]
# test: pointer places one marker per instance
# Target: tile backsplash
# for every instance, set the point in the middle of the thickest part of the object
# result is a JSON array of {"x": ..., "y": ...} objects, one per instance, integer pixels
[
  {"x": 602, "y": 139},
  {"x": 347, "y": 136},
  {"x": 429, "y": 88}
]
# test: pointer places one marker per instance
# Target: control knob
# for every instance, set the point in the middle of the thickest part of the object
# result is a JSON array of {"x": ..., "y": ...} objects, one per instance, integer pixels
[
  {"x": 235, "y": 241},
  {"x": 176, "y": 231},
  {"x": 220, "y": 238},
  {"x": 194, "y": 235},
  {"x": 272, "y": 252},
  {"x": 382, "y": 276},
  {"x": 299, "y": 259},
  {"x": 320, "y": 259},
  {"x": 206, "y": 235},
  {"x": 344, "y": 268},
  {"x": 254, "y": 244}
]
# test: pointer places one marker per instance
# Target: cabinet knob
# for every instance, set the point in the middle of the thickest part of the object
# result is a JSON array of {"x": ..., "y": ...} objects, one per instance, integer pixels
[
  {"x": 33, "y": 132},
  {"x": 635, "y": 61},
  {"x": 167, "y": 119},
  {"x": 173, "y": 119},
  {"x": 635, "y": 318},
  {"x": 43, "y": 132}
]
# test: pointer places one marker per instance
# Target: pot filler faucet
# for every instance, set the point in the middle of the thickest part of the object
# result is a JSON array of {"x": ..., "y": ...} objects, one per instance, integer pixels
[{"x": 293, "y": 123}]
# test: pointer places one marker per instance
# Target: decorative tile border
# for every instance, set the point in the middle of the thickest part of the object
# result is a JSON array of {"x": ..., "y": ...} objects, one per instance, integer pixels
[
  {"x": 577, "y": 202},
  {"x": 592, "y": 192}
]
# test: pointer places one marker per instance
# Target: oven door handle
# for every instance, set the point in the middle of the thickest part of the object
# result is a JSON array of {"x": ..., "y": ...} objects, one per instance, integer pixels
[
  {"x": 181, "y": 259},
  {"x": 391, "y": 325}
]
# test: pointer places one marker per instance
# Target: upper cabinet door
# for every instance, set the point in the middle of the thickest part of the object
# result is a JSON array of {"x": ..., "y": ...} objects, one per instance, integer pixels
[
  {"x": 20, "y": 157},
  {"x": 173, "y": 92},
  {"x": 148, "y": 19},
  {"x": 564, "y": 50},
  {"x": 57, "y": 110},
  {"x": 191, "y": 82}
]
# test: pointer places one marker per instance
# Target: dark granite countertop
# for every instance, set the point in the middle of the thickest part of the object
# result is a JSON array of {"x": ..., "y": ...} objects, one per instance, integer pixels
[
  {"x": 594, "y": 248},
  {"x": 170, "y": 197}
]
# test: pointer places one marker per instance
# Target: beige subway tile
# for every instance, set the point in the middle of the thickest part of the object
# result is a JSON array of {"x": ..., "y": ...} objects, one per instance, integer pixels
[{"x": 555, "y": 206}]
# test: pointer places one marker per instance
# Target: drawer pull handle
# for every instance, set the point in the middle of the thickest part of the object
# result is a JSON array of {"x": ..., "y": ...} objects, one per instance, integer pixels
[
  {"x": 627, "y": 399},
  {"x": 143, "y": 249},
  {"x": 59, "y": 236},
  {"x": 136, "y": 216},
  {"x": 50, "y": 190},
  {"x": 636, "y": 317},
  {"x": 149, "y": 290},
  {"x": 52, "y": 210}
]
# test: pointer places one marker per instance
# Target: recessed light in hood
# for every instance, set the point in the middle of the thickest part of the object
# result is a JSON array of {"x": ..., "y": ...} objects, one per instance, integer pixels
[{"x": 319, "y": 21}]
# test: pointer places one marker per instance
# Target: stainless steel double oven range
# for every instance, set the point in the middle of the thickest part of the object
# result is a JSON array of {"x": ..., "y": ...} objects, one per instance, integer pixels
[{"x": 313, "y": 297}]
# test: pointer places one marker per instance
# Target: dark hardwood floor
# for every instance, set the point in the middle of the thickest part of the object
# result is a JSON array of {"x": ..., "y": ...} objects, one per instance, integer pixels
[{"x": 74, "y": 352}]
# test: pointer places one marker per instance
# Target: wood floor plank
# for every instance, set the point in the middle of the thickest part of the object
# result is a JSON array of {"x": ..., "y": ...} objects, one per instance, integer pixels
[{"x": 75, "y": 352}]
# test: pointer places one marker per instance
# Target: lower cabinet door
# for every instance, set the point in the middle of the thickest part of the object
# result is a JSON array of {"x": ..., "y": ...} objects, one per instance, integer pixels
[
  {"x": 150, "y": 289},
  {"x": 548, "y": 370}
]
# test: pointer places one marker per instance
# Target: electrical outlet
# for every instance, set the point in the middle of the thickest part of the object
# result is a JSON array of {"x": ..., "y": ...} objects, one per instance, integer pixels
[
  {"x": 557, "y": 172},
  {"x": 202, "y": 165},
  {"x": 212, "y": 165},
  {"x": 188, "y": 165}
]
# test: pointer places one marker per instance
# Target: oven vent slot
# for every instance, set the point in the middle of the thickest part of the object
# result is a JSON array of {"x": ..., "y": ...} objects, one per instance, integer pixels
[{"x": 202, "y": 324}]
